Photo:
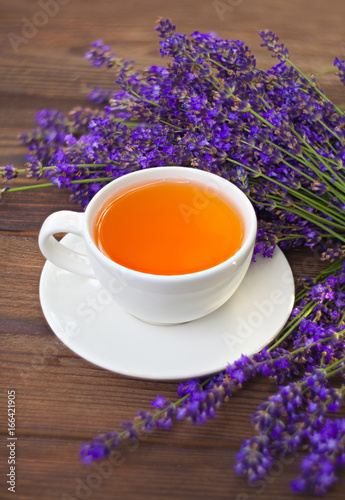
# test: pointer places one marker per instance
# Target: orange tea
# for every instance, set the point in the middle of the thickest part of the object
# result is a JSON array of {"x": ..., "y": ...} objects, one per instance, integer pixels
[{"x": 168, "y": 227}]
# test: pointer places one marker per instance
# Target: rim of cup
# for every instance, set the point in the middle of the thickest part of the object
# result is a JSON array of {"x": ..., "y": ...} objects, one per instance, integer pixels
[{"x": 250, "y": 222}]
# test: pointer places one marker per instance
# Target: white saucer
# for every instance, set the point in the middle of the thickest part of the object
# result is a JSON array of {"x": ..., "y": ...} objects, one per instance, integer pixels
[{"x": 82, "y": 315}]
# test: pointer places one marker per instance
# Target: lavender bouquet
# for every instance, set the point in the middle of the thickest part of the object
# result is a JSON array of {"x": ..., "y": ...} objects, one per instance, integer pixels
[{"x": 279, "y": 138}]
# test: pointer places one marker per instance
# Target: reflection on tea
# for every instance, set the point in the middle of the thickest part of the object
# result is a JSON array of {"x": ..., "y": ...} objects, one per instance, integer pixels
[{"x": 168, "y": 227}]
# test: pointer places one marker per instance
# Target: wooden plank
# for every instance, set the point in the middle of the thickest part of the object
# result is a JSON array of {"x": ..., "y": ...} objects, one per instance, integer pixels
[{"x": 62, "y": 399}]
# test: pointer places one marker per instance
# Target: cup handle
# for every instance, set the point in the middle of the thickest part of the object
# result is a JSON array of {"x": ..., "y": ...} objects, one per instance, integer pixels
[{"x": 64, "y": 222}]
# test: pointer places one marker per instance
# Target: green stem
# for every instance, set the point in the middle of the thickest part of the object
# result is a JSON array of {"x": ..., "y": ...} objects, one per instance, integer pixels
[
  {"x": 336, "y": 266},
  {"x": 320, "y": 206},
  {"x": 297, "y": 236},
  {"x": 304, "y": 204},
  {"x": 336, "y": 363},
  {"x": 284, "y": 161},
  {"x": 143, "y": 98},
  {"x": 308, "y": 164},
  {"x": 263, "y": 120},
  {"x": 337, "y": 370},
  {"x": 331, "y": 132},
  {"x": 159, "y": 413},
  {"x": 312, "y": 217},
  {"x": 296, "y": 351},
  {"x": 311, "y": 201},
  {"x": 79, "y": 165},
  {"x": 301, "y": 139},
  {"x": 311, "y": 153},
  {"x": 24, "y": 188},
  {"x": 157, "y": 105},
  {"x": 266, "y": 122},
  {"x": 294, "y": 237},
  {"x": 322, "y": 160},
  {"x": 81, "y": 181},
  {"x": 218, "y": 64},
  {"x": 315, "y": 219},
  {"x": 295, "y": 322},
  {"x": 326, "y": 71},
  {"x": 187, "y": 396},
  {"x": 313, "y": 85},
  {"x": 342, "y": 319}
]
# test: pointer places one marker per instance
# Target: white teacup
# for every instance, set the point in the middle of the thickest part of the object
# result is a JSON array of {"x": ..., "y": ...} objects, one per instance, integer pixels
[{"x": 153, "y": 298}]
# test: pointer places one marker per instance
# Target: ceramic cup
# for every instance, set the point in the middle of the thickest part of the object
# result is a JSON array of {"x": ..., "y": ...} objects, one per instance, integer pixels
[{"x": 153, "y": 298}]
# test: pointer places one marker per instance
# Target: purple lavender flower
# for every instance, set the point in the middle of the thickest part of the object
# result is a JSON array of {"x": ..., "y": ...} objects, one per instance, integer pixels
[
  {"x": 341, "y": 68},
  {"x": 8, "y": 172},
  {"x": 34, "y": 169},
  {"x": 317, "y": 474},
  {"x": 328, "y": 453},
  {"x": 165, "y": 28},
  {"x": 270, "y": 40},
  {"x": 212, "y": 109},
  {"x": 100, "y": 96},
  {"x": 254, "y": 459},
  {"x": 99, "y": 448},
  {"x": 100, "y": 55},
  {"x": 278, "y": 138}
]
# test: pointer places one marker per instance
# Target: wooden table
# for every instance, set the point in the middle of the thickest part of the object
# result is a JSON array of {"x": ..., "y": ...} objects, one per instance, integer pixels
[{"x": 62, "y": 399}]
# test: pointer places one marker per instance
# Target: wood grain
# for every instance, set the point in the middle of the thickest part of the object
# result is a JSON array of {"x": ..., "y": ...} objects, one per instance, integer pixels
[{"x": 62, "y": 400}]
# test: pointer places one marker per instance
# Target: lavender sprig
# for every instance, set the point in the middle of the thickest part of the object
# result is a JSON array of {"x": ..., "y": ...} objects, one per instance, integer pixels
[
  {"x": 274, "y": 133},
  {"x": 291, "y": 417},
  {"x": 277, "y": 136},
  {"x": 327, "y": 453}
]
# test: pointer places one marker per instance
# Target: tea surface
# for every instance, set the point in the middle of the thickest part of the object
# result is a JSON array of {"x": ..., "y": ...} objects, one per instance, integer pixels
[{"x": 168, "y": 228}]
